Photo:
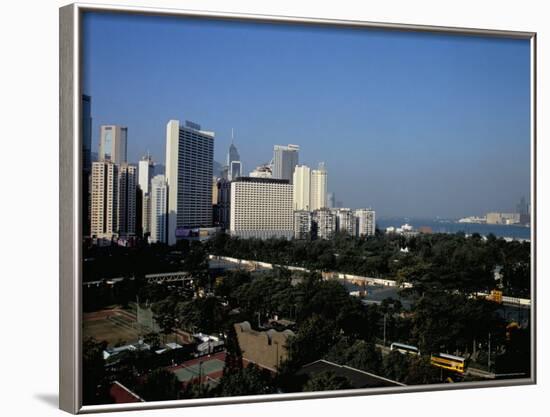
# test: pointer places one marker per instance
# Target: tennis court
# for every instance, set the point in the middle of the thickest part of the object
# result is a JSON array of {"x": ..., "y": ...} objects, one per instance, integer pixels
[{"x": 187, "y": 373}]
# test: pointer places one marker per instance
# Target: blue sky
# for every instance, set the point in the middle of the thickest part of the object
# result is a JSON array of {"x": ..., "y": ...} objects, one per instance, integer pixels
[{"x": 411, "y": 124}]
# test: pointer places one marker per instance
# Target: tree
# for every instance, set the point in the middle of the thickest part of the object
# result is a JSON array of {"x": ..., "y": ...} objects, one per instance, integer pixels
[
  {"x": 248, "y": 381},
  {"x": 327, "y": 381},
  {"x": 94, "y": 378},
  {"x": 233, "y": 356},
  {"x": 160, "y": 385}
]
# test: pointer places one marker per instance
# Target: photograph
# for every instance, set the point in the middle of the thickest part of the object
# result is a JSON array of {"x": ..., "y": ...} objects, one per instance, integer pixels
[{"x": 278, "y": 208}]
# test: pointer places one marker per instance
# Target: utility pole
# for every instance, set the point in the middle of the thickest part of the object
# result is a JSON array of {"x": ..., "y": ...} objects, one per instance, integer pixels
[
  {"x": 489, "y": 356},
  {"x": 384, "y": 329}
]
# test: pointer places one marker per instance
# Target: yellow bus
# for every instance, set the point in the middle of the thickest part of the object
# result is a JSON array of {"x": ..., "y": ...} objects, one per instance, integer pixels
[{"x": 446, "y": 361}]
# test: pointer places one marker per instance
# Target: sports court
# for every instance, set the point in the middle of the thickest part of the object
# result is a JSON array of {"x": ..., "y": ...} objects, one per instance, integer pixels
[
  {"x": 112, "y": 326},
  {"x": 210, "y": 368}
]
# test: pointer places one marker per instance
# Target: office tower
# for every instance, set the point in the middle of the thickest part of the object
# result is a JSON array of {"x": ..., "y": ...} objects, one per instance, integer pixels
[
  {"x": 345, "y": 221},
  {"x": 104, "y": 196},
  {"x": 285, "y": 158},
  {"x": 86, "y": 125},
  {"x": 323, "y": 224},
  {"x": 262, "y": 171},
  {"x": 146, "y": 171},
  {"x": 319, "y": 187},
  {"x": 159, "y": 206},
  {"x": 223, "y": 207},
  {"x": 302, "y": 224},
  {"x": 301, "y": 187},
  {"x": 235, "y": 170},
  {"x": 112, "y": 143},
  {"x": 331, "y": 201},
  {"x": 189, "y": 160},
  {"x": 126, "y": 206},
  {"x": 234, "y": 166},
  {"x": 365, "y": 221},
  {"x": 261, "y": 208}
]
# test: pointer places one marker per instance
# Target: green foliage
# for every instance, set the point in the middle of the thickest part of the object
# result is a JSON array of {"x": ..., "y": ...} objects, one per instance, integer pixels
[
  {"x": 248, "y": 381},
  {"x": 327, "y": 381},
  {"x": 357, "y": 354},
  {"x": 94, "y": 377},
  {"x": 160, "y": 385}
]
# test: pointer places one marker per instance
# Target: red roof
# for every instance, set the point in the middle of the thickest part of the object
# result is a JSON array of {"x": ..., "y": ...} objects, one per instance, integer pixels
[{"x": 120, "y": 394}]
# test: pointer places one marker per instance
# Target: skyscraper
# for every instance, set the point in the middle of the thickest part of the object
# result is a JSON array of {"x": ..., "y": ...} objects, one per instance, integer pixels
[
  {"x": 301, "y": 188},
  {"x": 285, "y": 158},
  {"x": 112, "y": 143},
  {"x": 126, "y": 206},
  {"x": 261, "y": 208},
  {"x": 104, "y": 196},
  {"x": 234, "y": 166},
  {"x": 86, "y": 162},
  {"x": 235, "y": 169},
  {"x": 159, "y": 204},
  {"x": 319, "y": 187},
  {"x": 189, "y": 161},
  {"x": 146, "y": 170}
]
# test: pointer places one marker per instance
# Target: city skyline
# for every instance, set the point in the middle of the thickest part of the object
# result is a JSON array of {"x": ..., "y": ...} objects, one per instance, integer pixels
[{"x": 375, "y": 161}]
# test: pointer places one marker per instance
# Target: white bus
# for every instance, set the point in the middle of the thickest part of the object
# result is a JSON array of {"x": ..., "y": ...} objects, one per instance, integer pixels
[{"x": 405, "y": 349}]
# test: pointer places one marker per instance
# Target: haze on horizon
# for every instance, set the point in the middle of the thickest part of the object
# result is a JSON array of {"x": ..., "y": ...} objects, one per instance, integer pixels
[{"x": 410, "y": 124}]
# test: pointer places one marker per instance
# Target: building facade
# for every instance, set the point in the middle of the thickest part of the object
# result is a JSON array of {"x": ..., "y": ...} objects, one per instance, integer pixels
[
  {"x": 104, "y": 200},
  {"x": 323, "y": 224},
  {"x": 146, "y": 171},
  {"x": 113, "y": 143},
  {"x": 319, "y": 187},
  {"x": 285, "y": 159},
  {"x": 86, "y": 125},
  {"x": 159, "y": 207},
  {"x": 189, "y": 162},
  {"x": 302, "y": 224},
  {"x": 126, "y": 206},
  {"x": 261, "y": 208},
  {"x": 301, "y": 188},
  {"x": 345, "y": 221},
  {"x": 365, "y": 221}
]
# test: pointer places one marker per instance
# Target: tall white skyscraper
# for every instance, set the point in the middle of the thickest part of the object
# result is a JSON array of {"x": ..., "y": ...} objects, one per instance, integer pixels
[
  {"x": 126, "y": 206},
  {"x": 319, "y": 187},
  {"x": 301, "y": 188},
  {"x": 365, "y": 220},
  {"x": 159, "y": 205},
  {"x": 112, "y": 143},
  {"x": 285, "y": 158},
  {"x": 235, "y": 169},
  {"x": 104, "y": 196},
  {"x": 189, "y": 160},
  {"x": 261, "y": 208},
  {"x": 146, "y": 170}
]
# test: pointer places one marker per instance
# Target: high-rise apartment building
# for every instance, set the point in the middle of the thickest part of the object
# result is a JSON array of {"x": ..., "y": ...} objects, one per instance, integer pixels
[
  {"x": 189, "y": 161},
  {"x": 345, "y": 221},
  {"x": 126, "y": 206},
  {"x": 365, "y": 222},
  {"x": 86, "y": 125},
  {"x": 223, "y": 206},
  {"x": 301, "y": 188},
  {"x": 112, "y": 143},
  {"x": 319, "y": 187},
  {"x": 261, "y": 208},
  {"x": 285, "y": 159},
  {"x": 104, "y": 196},
  {"x": 159, "y": 206},
  {"x": 323, "y": 223},
  {"x": 302, "y": 224}
]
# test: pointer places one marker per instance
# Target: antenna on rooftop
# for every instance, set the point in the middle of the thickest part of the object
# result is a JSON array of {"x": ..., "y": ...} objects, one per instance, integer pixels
[{"x": 232, "y": 137}]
